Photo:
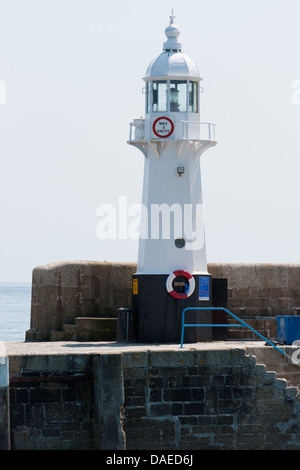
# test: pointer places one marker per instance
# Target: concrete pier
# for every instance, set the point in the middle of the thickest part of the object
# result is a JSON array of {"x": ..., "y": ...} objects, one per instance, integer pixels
[{"x": 68, "y": 390}]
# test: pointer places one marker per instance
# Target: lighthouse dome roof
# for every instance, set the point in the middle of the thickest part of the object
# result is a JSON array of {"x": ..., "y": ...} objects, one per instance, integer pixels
[{"x": 172, "y": 63}]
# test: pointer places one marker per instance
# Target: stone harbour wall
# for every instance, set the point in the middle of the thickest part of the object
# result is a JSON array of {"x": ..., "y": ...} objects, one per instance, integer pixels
[
  {"x": 69, "y": 297},
  {"x": 151, "y": 398}
]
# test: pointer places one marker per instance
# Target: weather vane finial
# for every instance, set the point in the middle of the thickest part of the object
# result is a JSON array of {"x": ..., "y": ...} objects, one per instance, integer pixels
[{"x": 172, "y": 17}]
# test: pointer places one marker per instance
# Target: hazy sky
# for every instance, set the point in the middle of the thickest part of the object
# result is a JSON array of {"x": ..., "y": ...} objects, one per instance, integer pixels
[{"x": 73, "y": 74}]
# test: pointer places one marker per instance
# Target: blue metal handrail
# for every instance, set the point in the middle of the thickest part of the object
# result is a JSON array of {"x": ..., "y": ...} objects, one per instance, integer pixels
[{"x": 221, "y": 325}]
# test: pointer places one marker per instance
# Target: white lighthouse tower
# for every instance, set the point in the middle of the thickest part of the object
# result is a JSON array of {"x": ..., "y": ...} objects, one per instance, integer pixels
[{"x": 172, "y": 267}]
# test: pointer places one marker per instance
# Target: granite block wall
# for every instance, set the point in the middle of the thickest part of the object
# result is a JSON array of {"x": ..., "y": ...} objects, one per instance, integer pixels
[
  {"x": 207, "y": 400},
  {"x": 190, "y": 399}
]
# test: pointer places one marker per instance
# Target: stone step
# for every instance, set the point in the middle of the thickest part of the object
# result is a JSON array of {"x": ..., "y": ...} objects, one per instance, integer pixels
[
  {"x": 280, "y": 382},
  {"x": 96, "y": 329},
  {"x": 279, "y": 364}
]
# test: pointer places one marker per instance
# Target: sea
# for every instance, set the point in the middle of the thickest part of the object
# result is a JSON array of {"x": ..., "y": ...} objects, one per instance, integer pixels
[{"x": 15, "y": 301}]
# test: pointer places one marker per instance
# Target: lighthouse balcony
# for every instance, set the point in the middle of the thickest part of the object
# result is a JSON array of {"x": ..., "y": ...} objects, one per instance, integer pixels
[
  {"x": 195, "y": 130},
  {"x": 142, "y": 131}
]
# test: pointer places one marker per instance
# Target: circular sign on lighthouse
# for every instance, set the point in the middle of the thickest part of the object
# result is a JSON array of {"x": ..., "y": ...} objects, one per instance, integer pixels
[{"x": 163, "y": 127}]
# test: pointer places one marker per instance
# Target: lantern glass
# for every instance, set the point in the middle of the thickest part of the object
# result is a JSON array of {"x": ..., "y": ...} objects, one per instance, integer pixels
[
  {"x": 178, "y": 95},
  {"x": 159, "y": 96}
]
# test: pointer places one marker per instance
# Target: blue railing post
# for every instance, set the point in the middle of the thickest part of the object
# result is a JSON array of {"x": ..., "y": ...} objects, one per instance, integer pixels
[{"x": 182, "y": 328}]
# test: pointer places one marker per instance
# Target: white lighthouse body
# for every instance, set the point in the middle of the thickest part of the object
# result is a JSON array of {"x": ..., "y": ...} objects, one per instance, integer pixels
[
  {"x": 172, "y": 138},
  {"x": 172, "y": 265}
]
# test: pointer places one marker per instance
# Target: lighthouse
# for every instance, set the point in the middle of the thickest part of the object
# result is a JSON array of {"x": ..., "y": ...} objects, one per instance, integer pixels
[{"x": 172, "y": 267}]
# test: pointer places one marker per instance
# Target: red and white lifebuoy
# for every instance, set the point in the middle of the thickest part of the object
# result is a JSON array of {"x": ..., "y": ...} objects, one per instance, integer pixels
[{"x": 175, "y": 294}]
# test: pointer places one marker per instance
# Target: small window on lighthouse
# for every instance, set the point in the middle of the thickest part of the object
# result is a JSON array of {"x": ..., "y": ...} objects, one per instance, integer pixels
[
  {"x": 193, "y": 97},
  {"x": 160, "y": 89},
  {"x": 178, "y": 96}
]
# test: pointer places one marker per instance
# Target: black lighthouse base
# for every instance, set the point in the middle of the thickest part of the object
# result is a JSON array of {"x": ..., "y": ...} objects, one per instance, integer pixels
[{"x": 157, "y": 316}]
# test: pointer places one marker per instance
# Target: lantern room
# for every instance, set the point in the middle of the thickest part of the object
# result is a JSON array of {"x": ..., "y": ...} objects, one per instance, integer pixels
[
  {"x": 172, "y": 90},
  {"x": 165, "y": 96},
  {"x": 172, "y": 79}
]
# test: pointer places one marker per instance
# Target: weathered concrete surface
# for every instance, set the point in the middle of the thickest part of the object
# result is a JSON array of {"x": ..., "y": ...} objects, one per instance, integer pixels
[
  {"x": 17, "y": 349},
  {"x": 69, "y": 289}
]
